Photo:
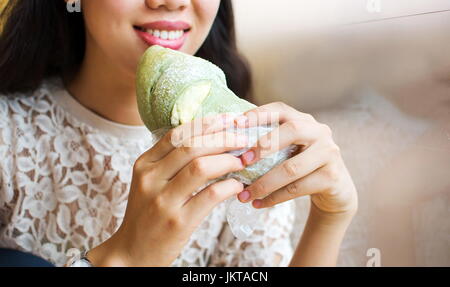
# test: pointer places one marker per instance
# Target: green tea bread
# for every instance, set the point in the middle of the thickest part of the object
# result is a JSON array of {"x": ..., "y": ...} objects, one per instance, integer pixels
[{"x": 174, "y": 88}]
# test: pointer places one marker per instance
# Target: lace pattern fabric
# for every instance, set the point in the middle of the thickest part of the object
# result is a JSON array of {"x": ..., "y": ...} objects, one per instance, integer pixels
[{"x": 64, "y": 179}]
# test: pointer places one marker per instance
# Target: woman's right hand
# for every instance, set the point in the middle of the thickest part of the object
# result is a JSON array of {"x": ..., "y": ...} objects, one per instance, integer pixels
[{"x": 162, "y": 212}]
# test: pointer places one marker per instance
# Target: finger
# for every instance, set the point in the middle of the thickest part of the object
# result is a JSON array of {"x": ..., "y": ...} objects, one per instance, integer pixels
[
  {"x": 288, "y": 171},
  {"x": 175, "y": 136},
  {"x": 197, "y": 173},
  {"x": 299, "y": 132},
  {"x": 200, "y": 205},
  {"x": 277, "y": 112},
  {"x": 202, "y": 126},
  {"x": 316, "y": 182},
  {"x": 199, "y": 146}
]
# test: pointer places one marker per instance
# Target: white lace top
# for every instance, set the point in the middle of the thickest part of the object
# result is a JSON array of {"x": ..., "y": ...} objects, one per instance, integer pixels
[{"x": 64, "y": 179}]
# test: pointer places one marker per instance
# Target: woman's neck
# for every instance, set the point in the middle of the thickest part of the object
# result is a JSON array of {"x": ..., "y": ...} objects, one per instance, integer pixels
[{"x": 106, "y": 89}]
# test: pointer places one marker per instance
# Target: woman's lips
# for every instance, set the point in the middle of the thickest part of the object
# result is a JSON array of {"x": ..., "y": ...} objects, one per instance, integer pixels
[
  {"x": 166, "y": 25},
  {"x": 151, "y": 40},
  {"x": 168, "y": 34}
]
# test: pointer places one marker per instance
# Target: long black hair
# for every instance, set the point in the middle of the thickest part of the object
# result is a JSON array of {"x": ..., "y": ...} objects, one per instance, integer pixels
[{"x": 41, "y": 39}]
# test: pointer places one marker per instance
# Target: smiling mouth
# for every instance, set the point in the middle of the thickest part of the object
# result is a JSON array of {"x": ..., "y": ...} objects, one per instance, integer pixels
[{"x": 163, "y": 34}]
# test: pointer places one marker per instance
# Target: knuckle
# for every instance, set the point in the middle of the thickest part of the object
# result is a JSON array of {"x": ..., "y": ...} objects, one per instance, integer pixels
[
  {"x": 213, "y": 193},
  {"x": 293, "y": 126},
  {"x": 326, "y": 129},
  {"x": 174, "y": 222},
  {"x": 207, "y": 124},
  {"x": 144, "y": 177},
  {"x": 291, "y": 168},
  {"x": 269, "y": 201},
  {"x": 265, "y": 142},
  {"x": 175, "y": 137},
  {"x": 171, "y": 133},
  {"x": 310, "y": 118},
  {"x": 334, "y": 150},
  {"x": 307, "y": 117},
  {"x": 188, "y": 151},
  {"x": 332, "y": 175},
  {"x": 259, "y": 188},
  {"x": 139, "y": 164},
  {"x": 292, "y": 188},
  {"x": 264, "y": 110},
  {"x": 198, "y": 167},
  {"x": 157, "y": 203},
  {"x": 281, "y": 105}
]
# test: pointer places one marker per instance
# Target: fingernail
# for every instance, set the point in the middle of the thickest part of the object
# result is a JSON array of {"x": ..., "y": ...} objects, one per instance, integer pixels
[
  {"x": 257, "y": 203},
  {"x": 241, "y": 121},
  {"x": 242, "y": 163},
  {"x": 248, "y": 156},
  {"x": 245, "y": 195}
]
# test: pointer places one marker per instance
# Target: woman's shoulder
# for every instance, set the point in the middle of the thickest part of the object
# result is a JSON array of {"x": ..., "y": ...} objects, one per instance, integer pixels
[
  {"x": 28, "y": 104},
  {"x": 27, "y": 123},
  {"x": 24, "y": 117}
]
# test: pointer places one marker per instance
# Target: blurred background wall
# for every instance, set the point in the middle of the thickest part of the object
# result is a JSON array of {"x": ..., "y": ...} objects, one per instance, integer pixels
[{"x": 381, "y": 80}]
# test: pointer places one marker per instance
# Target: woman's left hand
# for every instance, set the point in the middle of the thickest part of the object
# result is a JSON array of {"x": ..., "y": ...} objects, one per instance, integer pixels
[{"x": 317, "y": 169}]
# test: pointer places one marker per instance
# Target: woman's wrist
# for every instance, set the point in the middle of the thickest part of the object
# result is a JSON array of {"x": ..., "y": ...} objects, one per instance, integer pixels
[
  {"x": 107, "y": 254},
  {"x": 328, "y": 219},
  {"x": 321, "y": 238}
]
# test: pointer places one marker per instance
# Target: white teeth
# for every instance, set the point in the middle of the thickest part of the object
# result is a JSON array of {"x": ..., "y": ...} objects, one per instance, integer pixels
[{"x": 166, "y": 35}]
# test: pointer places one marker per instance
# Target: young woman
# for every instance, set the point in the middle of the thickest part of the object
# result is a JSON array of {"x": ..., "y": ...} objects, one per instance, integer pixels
[{"x": 79, "y": 169}]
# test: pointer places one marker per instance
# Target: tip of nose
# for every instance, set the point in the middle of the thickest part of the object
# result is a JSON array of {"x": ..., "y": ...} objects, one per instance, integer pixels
[{"x": 170, "y": 5}]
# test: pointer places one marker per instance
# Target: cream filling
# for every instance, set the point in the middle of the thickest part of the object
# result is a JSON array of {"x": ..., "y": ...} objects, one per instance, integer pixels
[{"x": 189, "y": 103}]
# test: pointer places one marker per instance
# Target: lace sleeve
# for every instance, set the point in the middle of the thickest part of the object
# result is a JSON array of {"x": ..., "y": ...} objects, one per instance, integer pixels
[
  {"x": 269, "y": 245},
  {"x": 6, "y": 189}
]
